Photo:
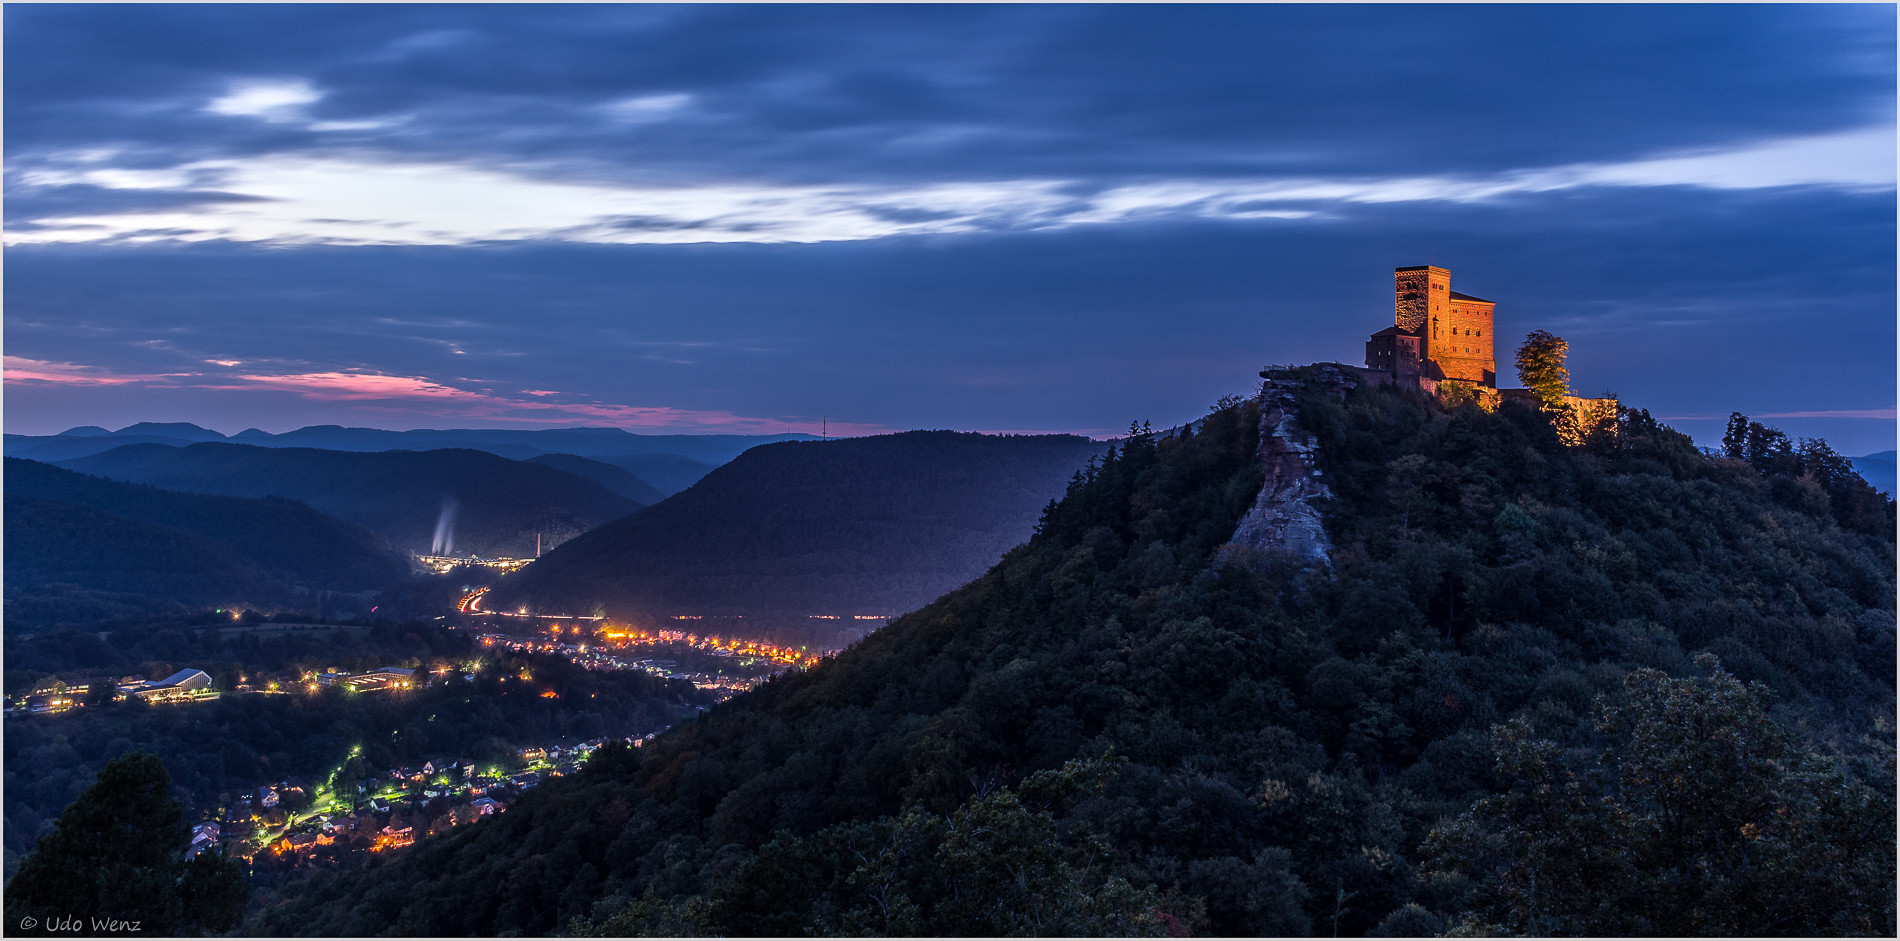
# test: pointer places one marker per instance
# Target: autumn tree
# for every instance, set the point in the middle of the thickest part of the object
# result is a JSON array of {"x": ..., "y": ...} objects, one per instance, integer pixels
[{"x": 1540, "y": 366}]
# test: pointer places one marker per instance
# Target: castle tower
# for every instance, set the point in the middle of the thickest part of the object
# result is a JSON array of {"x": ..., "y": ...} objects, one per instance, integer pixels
[{"x": 1437, "y": 333}]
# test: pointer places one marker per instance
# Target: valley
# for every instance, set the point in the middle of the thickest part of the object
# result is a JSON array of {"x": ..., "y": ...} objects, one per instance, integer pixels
[{"x": 743, "y": 671}]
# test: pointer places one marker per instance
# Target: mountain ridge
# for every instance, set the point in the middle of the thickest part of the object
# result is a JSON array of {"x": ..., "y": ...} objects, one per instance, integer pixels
[
  {"x": 856, "y": 526},
  {"x": 96, "y": 535},
  {"x": 493, "y": 506},
  {"x": 1270, "y": 738},
  {"x": 517, "y": 444}
]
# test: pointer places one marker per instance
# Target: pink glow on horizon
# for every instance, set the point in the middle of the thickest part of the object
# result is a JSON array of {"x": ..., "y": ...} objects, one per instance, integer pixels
[
  {"x": 416, "y": 396},
  {"x": 348, "y": 387},
  {"x": 407, "y": 400},
  {"x": 21, "y": 369}
]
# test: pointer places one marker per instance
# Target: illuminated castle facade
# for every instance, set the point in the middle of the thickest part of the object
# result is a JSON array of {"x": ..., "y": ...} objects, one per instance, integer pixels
[{"x": 1437, "y": 334}]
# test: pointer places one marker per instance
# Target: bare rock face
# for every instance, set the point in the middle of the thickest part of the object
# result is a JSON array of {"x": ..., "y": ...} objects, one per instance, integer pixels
[{"x": 1283, "y": 517}]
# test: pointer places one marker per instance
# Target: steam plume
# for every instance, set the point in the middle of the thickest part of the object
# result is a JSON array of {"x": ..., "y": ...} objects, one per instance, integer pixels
[{"x": 445, "y": 528}]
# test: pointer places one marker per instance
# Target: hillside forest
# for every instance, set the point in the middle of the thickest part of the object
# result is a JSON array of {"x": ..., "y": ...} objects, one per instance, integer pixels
[
  {"x": 1520, "y": 647},
  {"x": 877, "y": 525}
]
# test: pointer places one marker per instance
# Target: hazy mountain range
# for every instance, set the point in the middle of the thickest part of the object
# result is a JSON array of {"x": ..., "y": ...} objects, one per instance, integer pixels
[
  {"x": 454, "y": 500},
  {"x": 79, "y": 547},
  {"x": 1877, "y": 469},
  {"x": 667, "y": 463}
]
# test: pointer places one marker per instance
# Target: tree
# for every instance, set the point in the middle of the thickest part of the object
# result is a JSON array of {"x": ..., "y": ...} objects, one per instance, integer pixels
[
  {"x": 1700, "y": 818},
  {"x": 1540, "y": 366},
  {"x": 117, "y": 853}
]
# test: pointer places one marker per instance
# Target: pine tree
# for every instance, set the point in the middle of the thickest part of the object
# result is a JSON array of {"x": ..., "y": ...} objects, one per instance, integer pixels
[{"x": 117, "y": 853}]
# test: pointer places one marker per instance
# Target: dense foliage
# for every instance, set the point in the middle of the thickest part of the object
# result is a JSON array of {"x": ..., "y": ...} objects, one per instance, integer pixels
[
  {"x": 498, "y": 505},
  {"x": 1699, "y": 817},
  {"x": 1292, "y": 734},
  {"x": 113, "y": 865},
  {"x": 874, "y": 525},
  {"x": 81, "y": 548}
]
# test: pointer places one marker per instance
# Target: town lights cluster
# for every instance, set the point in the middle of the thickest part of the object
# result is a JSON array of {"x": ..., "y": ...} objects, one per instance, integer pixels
[{"x": 627, "y": 636}]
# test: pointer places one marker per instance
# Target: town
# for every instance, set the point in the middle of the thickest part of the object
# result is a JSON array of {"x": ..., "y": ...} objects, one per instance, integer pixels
[{"x": 289, "y": 825}]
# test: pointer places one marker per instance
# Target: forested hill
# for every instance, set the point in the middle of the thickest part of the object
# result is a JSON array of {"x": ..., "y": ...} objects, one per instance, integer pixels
[
  {"x": 874, "y": 525},
  {"x": 496, "y": 506},
  {"x": 79, "y": 547},
  {"x": 1124, "y": 727}
]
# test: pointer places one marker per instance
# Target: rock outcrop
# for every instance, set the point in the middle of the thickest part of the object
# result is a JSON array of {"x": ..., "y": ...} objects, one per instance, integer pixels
[{"x": 1283, "y": 516}]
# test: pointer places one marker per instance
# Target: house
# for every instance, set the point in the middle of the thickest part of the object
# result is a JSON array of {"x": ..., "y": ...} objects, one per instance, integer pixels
[
  {"x": 203, "y": 837},
  {"x": 267, "y": 797},
  {"x": 393, "y": 837},
  {"x": 49, "y": 702},
  {"x": 533, "y": 754},
  {"x": 86, "y": 686},
  {"x": 183, "y": 686},
  {"x": 383, "y": 678},
  {"x": 486, "y": 805}
]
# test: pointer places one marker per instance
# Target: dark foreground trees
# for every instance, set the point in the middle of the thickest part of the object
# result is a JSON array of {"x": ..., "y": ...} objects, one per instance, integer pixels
[
  {"x": 1701, "y": 817},
  {"x": 114, "y": 864}
]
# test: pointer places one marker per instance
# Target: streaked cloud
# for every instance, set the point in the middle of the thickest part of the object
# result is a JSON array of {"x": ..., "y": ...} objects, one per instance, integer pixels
[
  {"x": 357, "y": 201},
  {"x": 19, "y": 369},
  {"x": 417, "y": 396},
  {"x": 1886, "y": 414}
]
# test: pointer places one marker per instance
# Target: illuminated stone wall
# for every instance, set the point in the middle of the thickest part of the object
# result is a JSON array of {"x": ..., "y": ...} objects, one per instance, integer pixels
[{"x": 1456, "y": 329}]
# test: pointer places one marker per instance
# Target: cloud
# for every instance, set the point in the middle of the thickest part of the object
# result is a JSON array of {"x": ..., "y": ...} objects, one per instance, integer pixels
[
  {"x": 276, "y": 101},
  {"x": 416, "y": 395},
  {"x": 354, "y": 201},
  {"x": 350, "y": 386},
  {"x": 19, "y": 369},
  {"x": 1885, "y": 414},
  {"x": 646, "y": 108}
]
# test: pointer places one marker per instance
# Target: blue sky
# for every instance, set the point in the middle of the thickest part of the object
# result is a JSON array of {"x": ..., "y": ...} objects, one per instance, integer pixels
[{"x": 1026, "y": 218}]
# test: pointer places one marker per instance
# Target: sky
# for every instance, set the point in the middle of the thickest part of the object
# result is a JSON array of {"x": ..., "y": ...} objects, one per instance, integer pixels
[{"x": 755, "y": 219}]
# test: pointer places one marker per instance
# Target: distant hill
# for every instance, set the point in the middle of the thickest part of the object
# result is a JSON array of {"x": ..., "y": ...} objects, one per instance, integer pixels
[
  {"x": 1878, "y": 470},
  {"x": 64, "y": 447},
  {"x": 494, "y": 506},
  {"x": 78, "y": 544},
  {"x": 614, "y": 478},
  {"x": 507, "y": 442},
  {"x": 874, "y": 525},
  {"x": 669, "y": 473}
]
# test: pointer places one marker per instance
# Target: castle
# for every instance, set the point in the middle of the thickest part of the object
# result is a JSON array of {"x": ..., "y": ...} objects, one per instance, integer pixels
[
  {"x": 1438, "y": 335},
  {"x": 1441, "y": 337}
]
